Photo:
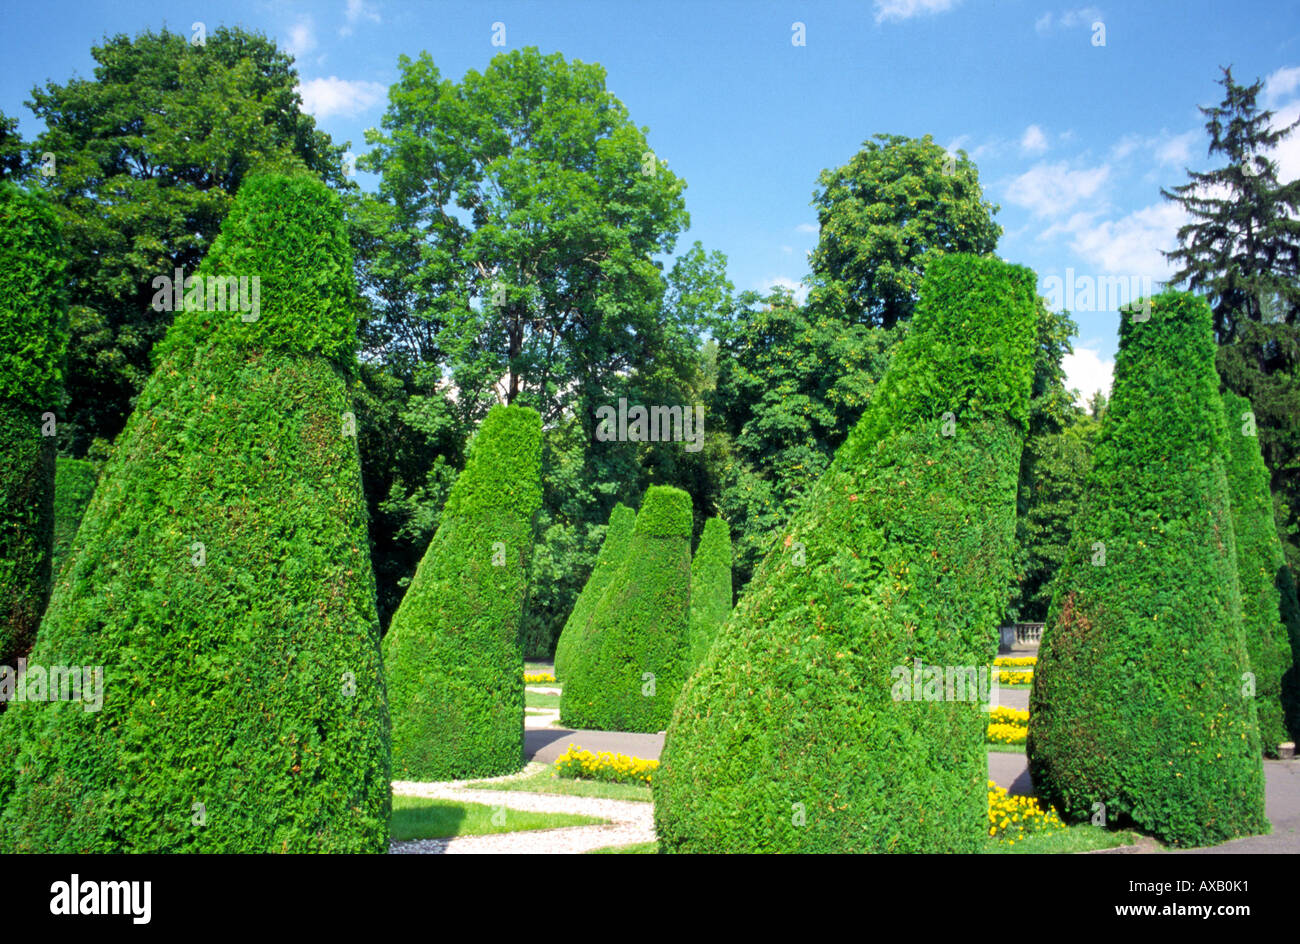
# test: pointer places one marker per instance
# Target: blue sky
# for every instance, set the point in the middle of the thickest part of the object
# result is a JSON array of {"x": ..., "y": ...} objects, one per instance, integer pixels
[{"x": 1072, "y": 138}]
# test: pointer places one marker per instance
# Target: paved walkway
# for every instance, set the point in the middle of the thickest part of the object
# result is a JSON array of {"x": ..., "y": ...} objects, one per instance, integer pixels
[{"x": 629, "y": 822}]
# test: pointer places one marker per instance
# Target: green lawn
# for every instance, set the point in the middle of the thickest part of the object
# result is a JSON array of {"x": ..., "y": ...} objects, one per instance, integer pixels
[
  {"x": 424, "y": 818},
  {"x": 545, "y": 781},
  {"x": 1006, "y": 748},
  {"x": 1082, "y": 838},
  {"x": 651, "y": 847},
  {"x": 534, "y": 699}
]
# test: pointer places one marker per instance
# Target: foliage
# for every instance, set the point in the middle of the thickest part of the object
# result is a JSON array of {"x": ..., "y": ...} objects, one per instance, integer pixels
[
  {"x": 896, "y": 201},
  {"x": 1261, "y": 575},
  {"x": 220, "y": 583},
  {"x": 626, "y": 672},
  {"x": 788, "y": 736},
  {"x": 33, "y": 344},
  {"x": 452, "y": 654},
  {"x": 1014, "y": 818},
  {"x": 613, "y": 551},
  {"x": 710, "y": 589},
  {"x": 1137, "y": 701},
  {"x": 149, "y": 155},
  {"x": 1241, "y": 249},
  {"x": 74, "y": 484}
]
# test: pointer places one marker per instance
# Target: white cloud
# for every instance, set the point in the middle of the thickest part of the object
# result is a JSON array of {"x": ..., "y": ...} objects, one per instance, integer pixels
[
  {"x": 1287, "y": 152},
  {"x": 335, "y": 96},
  {"x": 302, "y": 38},
  {"x": 1087, "y": 372},
  {"x": 1033, "y": 141},
  {"x": 1052, "y": 189},
  {"x": 1281, "y": 84},
  {"x": 1132, "y": 244},
  {"x": 1176, "y": 151},
  {"x": 906, "y": 9},
  {"x": 806, "y": 228},
  {"x": 798, "y": 288},
  {"x": 358, "y": 10},
  {"x": 1067, "y": 20}
]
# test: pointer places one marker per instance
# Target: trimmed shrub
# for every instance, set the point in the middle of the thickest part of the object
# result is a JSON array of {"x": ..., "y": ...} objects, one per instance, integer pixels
[
  {"x": 74, "y": 483},
  {"x": 221, "y": 581},
  {"x": 1259, "y": 565},
  {"x": 1138, "y": 700},
  {"x": 33, "y": 344},
  {"x": 710, "y": 589},
  {"x": 455, "y": 666},
  {"x": 613, "y": 550},
  {"x": 799, "y": 732},
  {"x": 631, "y": 664}
]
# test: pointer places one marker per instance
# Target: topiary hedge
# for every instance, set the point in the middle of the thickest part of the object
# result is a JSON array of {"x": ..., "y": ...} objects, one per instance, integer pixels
[
  {"x": 33, "y": 344},
  {"x": 74, "y": 483},
  {"x": 1259, "y": 566},
  {"x": 631, "y": 664},
  {"x": 793, "y": 734},
  {"x": 1138, "y": 701},
  {"x": 613, "y": 550},
  {"x": 221, "y": 579},
  {"x": 455, "y": 667},
  {"x": 710, "y": 590}
]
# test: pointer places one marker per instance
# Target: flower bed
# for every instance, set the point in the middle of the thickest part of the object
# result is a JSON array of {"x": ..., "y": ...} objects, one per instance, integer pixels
[
  {"x": 538, "y": 678},
  {"x": 608, "y": 766},
  {"x": 1012, "y": 818}
]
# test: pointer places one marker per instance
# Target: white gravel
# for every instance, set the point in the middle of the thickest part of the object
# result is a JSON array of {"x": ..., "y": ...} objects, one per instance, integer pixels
[{"x": 629, "y": 821}]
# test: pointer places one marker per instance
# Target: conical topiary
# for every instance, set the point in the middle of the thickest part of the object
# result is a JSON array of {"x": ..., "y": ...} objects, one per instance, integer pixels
[
  {"x": 710, "y": 589},
  {"x": 74, "y": 483},
  {"x": 455, "y": 666},
  {"x": 1139, "y": 711},
  {"x": 219, "y": 597},
  {"x": 1261, "y": 574},
  {"x": 613, "y": 550},
  {"x": 33, "y": 343},
  {"x": 802, "y": 730},
  {"x": 632, "y": 661}
]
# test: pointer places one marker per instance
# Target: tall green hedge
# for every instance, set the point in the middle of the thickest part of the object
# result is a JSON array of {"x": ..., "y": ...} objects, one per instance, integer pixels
[
  {"x": 1261, "y": 573},
  {"x": 632, "y": 660},
  {"x": 33, "y": 344},
  {"x": 792, "y": 735},
  {"x": 74, "y": 483},
  {"x": 221, "y": 579},
  {"x": 455, "y": 667},
  {"x": 1139, "y": 702},
  {"x": 618, "y": 537},
  {"x": 710, "y": 589}
]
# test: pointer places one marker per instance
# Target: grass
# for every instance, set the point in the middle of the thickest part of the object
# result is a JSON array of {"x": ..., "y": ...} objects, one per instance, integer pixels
[
  {"x": 1082, "y": 838},
  {"x": 534, "y": 699},
  {"x": 1015, "y": 688},
  {"x": 426, "y": 818},
  {"x": 545, "y": 781},
  {"x": 650, "y": 847},
  {"x": 1006, "y": 748}
]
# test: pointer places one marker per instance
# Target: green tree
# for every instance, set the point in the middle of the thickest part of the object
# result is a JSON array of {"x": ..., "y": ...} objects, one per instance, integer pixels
[
  {"x": 627, "y": 668},
  {"x": 221, "y": 585},
  {"x": 613, "y": 551},
  {"x": 792, "y": 381},
  {"x": 1267, "y": 592},
  {"x": 74, "y": 484},
  {"x": 1137, "y": 701},
  {"x": 33, "y": 345},
  {"x": 1241, "y": 249},
  {"x": 148, "y": 156},
  {"x": 797, "y": 733},
  {"x": 13, "y": 163},
  {"x": 710, "y": 589},
  {"x": 454, "y": 664},
  {"x": 894, "y": 202}
]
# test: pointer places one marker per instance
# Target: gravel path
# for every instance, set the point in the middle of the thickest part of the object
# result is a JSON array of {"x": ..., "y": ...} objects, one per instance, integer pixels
[{"x": 630, "y": 822}]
